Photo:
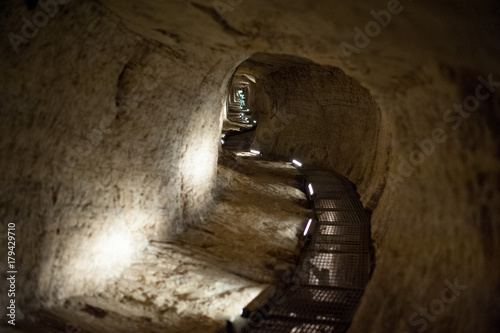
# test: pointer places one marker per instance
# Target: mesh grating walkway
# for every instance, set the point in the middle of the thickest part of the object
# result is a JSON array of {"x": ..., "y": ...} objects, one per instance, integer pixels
[{"x": 334, "y": 268}]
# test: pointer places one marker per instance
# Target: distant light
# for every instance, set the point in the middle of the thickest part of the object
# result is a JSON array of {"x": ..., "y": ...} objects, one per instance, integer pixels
[
  {"x": 310, "y": 189},
  {"x": 255, "y": 121},
  {"x": 297, "y": 163},
  {"x": 307, "y": 227},
  {"x": 255, "y": 151},
  {"x": 222, "y": 141}
]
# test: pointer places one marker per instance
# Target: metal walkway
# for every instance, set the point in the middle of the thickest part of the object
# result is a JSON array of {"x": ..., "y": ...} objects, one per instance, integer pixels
[{"x": 324, "y": 291}]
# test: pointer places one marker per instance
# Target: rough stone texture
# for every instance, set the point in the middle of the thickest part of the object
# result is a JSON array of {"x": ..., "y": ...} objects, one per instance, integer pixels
[
  {"x": 438, "y": 223},
  {"x": 101, "y": 136}
]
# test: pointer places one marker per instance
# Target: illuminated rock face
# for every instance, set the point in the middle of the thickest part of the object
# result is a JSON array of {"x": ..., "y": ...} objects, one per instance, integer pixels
[
  {"x": 110, "y": 123},
  {"x": 104, "y": 143}
]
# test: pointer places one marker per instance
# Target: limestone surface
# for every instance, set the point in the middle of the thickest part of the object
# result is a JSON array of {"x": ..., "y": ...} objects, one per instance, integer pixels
[{"x": 111, "y": 114}]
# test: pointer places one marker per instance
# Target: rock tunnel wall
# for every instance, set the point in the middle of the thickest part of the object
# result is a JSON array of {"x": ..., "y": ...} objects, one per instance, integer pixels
[
  {"x": 81, "y": 94},
  {"x": 102, "y": 137}
]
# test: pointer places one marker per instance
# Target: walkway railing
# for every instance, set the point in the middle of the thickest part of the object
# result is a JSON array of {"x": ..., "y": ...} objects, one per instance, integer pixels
[{"x": 326, "y": 287}]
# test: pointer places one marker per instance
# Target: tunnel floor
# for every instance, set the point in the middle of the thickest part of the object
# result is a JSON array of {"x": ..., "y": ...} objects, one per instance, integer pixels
[{"x": 255, "y": 232}]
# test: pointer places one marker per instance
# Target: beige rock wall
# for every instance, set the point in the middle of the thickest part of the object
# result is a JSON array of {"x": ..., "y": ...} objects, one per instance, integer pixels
[
  {"x": 431, "y": 225},
  {"x": 104, "y": 141}
]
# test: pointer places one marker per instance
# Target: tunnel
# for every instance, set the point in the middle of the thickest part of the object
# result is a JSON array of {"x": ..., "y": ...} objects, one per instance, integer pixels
[{"x": 164, "y": 166}]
